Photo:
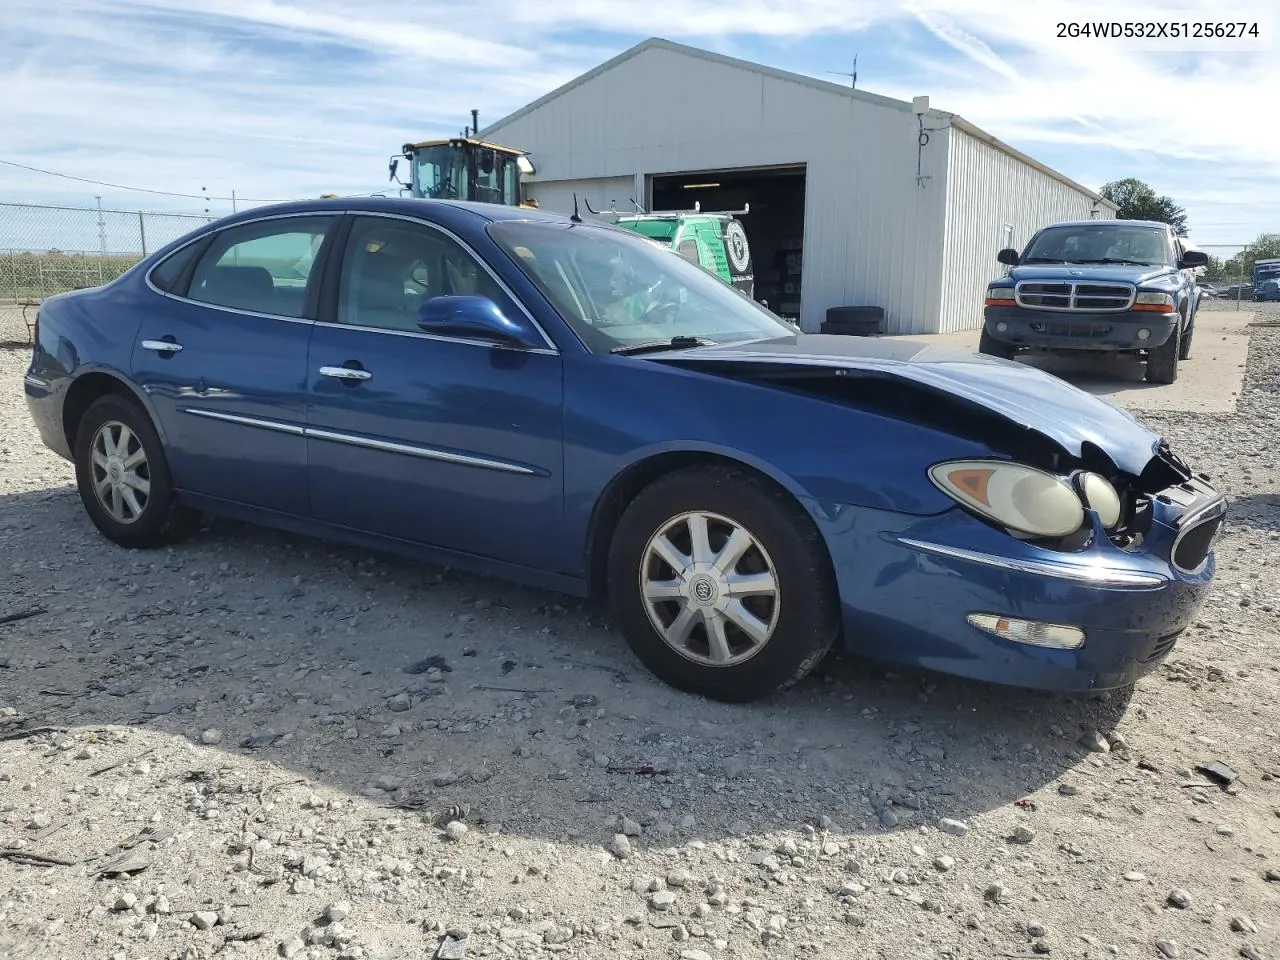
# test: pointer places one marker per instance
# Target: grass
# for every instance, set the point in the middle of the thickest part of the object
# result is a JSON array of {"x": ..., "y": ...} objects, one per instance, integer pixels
[{"x": 34, "y": 276}]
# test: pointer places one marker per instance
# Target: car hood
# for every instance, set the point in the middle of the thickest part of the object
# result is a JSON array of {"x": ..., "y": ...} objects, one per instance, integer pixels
[
  {"x": 1019, "y": 393},
  {"x": 1104, "y": 272}
]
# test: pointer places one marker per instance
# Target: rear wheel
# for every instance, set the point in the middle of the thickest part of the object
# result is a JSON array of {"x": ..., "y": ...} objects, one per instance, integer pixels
[
  {"x": 721, "y": 584},
  {"x": 996, "y": 348},
  {"x": 123, "y": 477},
  {"x": 1162, "y": 362}
]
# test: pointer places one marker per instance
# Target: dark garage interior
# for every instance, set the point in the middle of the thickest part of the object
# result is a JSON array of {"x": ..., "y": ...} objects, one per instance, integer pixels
[{"x": 774, "y": 226}]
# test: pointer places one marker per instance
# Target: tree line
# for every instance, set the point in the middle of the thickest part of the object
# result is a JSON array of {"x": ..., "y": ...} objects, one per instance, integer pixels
[{"x": 1138, "y": 201}]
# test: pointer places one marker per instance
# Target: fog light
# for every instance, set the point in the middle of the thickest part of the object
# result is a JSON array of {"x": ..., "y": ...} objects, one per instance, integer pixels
[
  {"x": 1144, "y": 334},
  {"x": 1001, "y": 327},
  {"x": 1031, "y": 632}
]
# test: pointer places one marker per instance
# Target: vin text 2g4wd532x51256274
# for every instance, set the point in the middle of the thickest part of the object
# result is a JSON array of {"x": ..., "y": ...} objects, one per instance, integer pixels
[{"x": 1109, "y": 286}]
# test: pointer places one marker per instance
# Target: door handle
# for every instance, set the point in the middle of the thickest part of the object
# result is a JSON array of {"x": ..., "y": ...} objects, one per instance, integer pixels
[
  {"x": 345, "y": 373},
  {"x": 161, "y": 346}
]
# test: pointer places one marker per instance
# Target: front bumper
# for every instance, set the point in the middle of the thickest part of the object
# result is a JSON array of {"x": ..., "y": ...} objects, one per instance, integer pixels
[
  {"x": 908, "y": 585},
  {"x": 1070, "y": 330}
]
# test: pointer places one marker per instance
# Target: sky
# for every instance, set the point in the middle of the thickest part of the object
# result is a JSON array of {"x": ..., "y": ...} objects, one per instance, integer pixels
[{"x": 277, "y": 99}]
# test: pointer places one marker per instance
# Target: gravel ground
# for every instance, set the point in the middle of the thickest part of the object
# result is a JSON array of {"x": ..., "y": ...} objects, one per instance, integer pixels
[{"x": 249, "y": 746}]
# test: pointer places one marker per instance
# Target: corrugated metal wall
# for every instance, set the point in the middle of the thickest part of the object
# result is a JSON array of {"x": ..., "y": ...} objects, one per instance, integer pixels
[
  {"x": 599, "y": 192},
  {"x": 872, "y": 234},
  {"x": 989, "y": 191}
]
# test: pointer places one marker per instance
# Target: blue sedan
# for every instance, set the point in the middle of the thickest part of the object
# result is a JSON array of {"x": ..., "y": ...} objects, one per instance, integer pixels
[{"x": 572, "y": 406}]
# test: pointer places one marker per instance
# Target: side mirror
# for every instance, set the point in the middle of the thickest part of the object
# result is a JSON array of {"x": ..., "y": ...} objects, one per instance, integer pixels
[
  {"x": 474, "y": 318},
  {"x": 1193, "y": 258},
  {"x": 1008, "y": 256}
]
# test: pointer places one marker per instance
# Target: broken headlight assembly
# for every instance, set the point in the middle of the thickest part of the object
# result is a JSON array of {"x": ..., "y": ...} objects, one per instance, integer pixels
[{"x": 1021, "y": 498}]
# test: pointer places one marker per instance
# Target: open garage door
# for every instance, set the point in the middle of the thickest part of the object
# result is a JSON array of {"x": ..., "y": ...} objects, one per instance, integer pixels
[{"x": 774, "y": 227}]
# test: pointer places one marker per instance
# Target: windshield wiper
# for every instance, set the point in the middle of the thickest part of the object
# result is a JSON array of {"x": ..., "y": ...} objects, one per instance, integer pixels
[
  {"x": 675, "y": 343},
  {"x": 1130, "y": 263},
  {"x": 1042, "y": 260}
]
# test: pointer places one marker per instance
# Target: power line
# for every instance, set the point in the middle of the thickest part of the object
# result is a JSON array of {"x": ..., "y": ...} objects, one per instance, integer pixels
[{"x": 118, "y": 186}]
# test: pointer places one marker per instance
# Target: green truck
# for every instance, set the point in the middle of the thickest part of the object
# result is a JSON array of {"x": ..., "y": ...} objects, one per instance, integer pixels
[{"x": 715, "y": 241}]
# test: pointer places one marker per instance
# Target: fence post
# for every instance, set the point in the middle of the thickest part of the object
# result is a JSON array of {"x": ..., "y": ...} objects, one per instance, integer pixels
[
  {"x": 40, "y": 277},
  {"x": 13, "y": 262},
  {"x": 142, "y": 232}
]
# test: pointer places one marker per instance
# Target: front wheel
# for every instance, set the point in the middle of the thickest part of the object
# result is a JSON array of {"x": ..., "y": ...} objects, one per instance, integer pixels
[
  {"x": 123, "y": 477},
  {"x": 1184, "y": 350},
  {"x": 721, "y": 584},
  {"x": 1162, "y": 362},
  {"x": 996, "y": 348}
]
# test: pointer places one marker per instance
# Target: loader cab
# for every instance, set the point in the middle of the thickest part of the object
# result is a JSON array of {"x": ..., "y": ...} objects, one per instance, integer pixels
[{"x": 464, "y": 168}]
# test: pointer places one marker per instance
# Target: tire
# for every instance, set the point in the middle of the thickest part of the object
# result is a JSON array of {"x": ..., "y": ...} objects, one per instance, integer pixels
[
  {"x": 161, "y": 519},
  {"x": 1184, "y": 349},
  {"x": 1162, "y": 362},
  {"x": 992, "y": 347},
  {"x": 787, "y": 550}
]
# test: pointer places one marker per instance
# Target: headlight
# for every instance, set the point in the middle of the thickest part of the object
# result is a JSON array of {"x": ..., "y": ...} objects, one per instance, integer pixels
[
  {"x": 1154, "y": 302},
  {"x": 999, "y": 295},
  {"x": 1100, "y": 496},
  {"x": 1018, "y": 497}
]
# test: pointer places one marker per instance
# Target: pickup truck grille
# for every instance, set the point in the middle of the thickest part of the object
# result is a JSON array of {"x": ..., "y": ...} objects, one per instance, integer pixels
[{"x": 1074, "y": 295}]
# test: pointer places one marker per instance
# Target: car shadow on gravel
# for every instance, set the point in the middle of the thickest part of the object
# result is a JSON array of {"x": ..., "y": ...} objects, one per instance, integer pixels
[
  {"x": 421, "y": 688},
  {"x": 1260, "y": 511}
]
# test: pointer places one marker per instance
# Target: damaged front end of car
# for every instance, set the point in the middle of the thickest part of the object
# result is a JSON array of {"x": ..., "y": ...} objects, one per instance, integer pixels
[{"x": 1077, "y": 547}]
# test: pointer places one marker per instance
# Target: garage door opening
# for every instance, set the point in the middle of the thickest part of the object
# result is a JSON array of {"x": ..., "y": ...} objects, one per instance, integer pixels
[{"x": 774, "y": 227}]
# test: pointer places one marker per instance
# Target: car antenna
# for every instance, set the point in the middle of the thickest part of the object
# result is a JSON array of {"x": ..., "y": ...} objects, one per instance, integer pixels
[
  {"x": 587, "y": 204},
  {"x": 576, "y": 218}
]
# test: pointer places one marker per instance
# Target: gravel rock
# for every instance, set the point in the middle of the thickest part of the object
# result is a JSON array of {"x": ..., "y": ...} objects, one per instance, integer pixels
[
  {"x": 1242, "y": 924},
  {"x": 630, "y": 828},
  {"x": 1095, "y": 742},
  {"x": 944, "y": 863},
  {"x": 211, "y": 737},
  {"x": 678, "y": 878},
  {"x": 292, "y": 947},
  {"x": 126, "y": 901},
  {"x": 662, "y": 900},
  {"x": 957, "y": 828},
  {"x": 1179, "y": 898},
  {"x": 620, "y": 846},
  {"x": 337, "y": 911},
  {"x": 455, "y": 830},
  {"x": 204, "y": 920},
  {"x": 1022, "y": 834},
  {"x": 1168, "y": 948}
]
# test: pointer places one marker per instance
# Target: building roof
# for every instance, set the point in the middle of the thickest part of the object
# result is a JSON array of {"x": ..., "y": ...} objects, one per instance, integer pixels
[{"x": 825, "y": 86}]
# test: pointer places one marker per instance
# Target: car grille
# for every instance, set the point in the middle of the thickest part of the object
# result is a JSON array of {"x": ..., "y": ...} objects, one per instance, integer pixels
[
  {"x": 1083, "y": 330},
  {"x": 1074, "y": 295},
  {"x": 1162, "y": 647},
  {"x": 1194, "y": 542}
]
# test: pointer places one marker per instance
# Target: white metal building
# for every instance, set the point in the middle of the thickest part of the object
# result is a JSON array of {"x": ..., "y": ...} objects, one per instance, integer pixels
[{"x": 855, "y": 198}]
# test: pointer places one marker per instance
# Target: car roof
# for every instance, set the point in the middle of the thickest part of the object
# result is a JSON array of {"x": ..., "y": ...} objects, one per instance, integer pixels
[{"x": 407, "y": 206}]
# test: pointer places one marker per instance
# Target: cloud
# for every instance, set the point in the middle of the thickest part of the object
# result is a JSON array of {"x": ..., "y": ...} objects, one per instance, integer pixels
[{"x": 283, "y": 98}]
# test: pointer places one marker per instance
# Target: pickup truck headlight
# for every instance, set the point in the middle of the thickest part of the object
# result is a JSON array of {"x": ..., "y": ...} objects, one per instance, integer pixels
[
  {"x": 1154, "y": 303},
  {"x": 1015, "y": 496},
  {"x": 999, "y": 296}
]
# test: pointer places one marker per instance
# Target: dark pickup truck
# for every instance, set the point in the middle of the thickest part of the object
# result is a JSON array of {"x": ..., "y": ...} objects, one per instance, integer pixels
[{"x": 1114, "y": 286}]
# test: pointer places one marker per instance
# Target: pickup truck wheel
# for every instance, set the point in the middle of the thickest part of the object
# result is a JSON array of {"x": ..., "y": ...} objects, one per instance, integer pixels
[
  {"x": 996, "y": 348},
  {"x": 1184, "y": 351},
  {"x": 1162, "y": 362}
]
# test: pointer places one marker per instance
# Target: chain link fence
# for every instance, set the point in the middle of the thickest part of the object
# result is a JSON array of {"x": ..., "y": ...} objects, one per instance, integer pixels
[
  {"x": 45, "y": 250},
  {"x": 1227, "y": 276}
]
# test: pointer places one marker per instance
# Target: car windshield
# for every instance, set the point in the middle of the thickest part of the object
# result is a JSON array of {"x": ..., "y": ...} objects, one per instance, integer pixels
[
  {"x": 1100, "y": 243},
  {"x": 618, "y": 290}
]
